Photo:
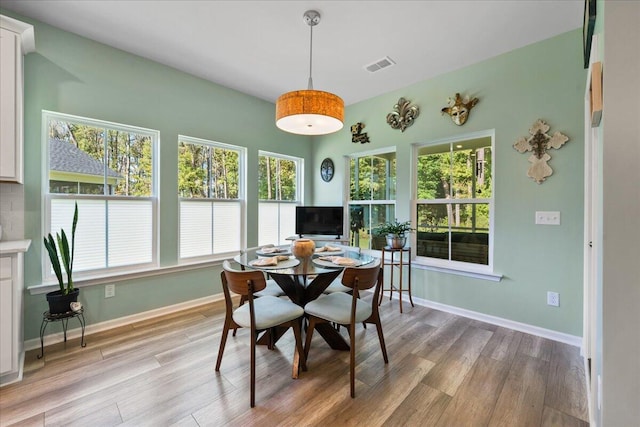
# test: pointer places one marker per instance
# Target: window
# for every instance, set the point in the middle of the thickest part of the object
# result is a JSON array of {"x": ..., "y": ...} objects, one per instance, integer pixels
[
  {"x": 109, "y": 170},
  {"x": 454, "y": 200},
  {"x": 372, "y": 197},
  {"x": 279, "y": 192},
  {"x": 210, "y": 186}
]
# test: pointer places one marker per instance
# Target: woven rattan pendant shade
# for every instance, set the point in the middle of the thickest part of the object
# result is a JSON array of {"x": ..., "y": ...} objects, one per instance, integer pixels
[{"x": 310, "y": 112}]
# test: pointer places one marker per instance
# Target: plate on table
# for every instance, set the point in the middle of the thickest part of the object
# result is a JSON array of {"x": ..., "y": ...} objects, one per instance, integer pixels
[
  {"x": 318, "y": 252},
  {"x": 288, "y": 263},
  {"x": 328, "y": 263},
  {"x": 282, "y": 251}
]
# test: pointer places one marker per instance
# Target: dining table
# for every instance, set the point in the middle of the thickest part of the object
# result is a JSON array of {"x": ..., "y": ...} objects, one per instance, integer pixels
[{"x": 304, "y": 279}]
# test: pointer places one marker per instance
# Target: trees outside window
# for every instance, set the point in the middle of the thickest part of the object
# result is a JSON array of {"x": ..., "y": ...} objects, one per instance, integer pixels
[
  {"x": 109, "y": 169},
  {"x": 210, "y": 187},
  {"x": 372, "y": 197},
  {"x": 455, "y": 200},
  {"x": 279, "y": 192}
]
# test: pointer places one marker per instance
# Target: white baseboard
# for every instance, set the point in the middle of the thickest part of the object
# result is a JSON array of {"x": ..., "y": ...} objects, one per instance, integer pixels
[
  {"x": 122, "y": 321},
  {"x": 499, "y": 321}
]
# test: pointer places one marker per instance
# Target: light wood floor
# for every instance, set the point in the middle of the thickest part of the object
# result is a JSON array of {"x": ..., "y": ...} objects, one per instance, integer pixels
[{"x": 443, "y": 370}]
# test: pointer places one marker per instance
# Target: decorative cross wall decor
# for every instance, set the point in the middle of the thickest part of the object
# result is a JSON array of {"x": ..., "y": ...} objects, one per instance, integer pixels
[{"x": 539, "y": 142}]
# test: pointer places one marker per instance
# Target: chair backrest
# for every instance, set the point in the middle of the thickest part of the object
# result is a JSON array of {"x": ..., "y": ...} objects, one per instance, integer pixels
[
  {"x": 362, "y": 277},
  {"x": 241, "y": 282}
]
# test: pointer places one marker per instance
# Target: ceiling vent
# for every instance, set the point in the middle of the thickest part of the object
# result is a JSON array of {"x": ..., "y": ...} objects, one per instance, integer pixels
[{"x": 385, "y": 62}]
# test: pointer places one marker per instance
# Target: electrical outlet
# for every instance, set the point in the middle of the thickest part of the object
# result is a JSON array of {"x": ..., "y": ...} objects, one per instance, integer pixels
[
  {"x": 553, "y": 298},
  {"x": 548, "y": 218},
  {"x": 110, "y": 291}
]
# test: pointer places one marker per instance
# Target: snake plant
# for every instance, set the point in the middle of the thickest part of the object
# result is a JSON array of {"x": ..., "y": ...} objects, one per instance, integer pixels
[{"x": 62, "y": 251}]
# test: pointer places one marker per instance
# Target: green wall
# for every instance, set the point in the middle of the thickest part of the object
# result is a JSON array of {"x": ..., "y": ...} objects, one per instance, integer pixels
[
  {"x": 74, "y": 75},
  {"x": 541, "y": 81}
]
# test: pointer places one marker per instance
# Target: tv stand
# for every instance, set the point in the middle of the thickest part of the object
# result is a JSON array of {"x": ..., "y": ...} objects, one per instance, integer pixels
[{"x": 320, "y": 238}]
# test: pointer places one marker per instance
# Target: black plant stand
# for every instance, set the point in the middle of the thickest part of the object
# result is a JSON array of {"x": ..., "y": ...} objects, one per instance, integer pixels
[{"x": 64, "y": 318}]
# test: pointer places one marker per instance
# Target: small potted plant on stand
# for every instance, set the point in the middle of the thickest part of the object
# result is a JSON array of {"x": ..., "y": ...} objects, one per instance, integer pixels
[
  {"x": 395, "y": 233},
  {"x": 60, "y": 300}
]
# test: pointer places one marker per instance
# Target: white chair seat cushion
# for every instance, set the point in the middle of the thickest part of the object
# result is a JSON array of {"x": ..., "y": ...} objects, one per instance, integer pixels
[
  {"x": 336, "y": 308},
  {"x": 272, "y": 289},
  {"x": 336, "y": 286},
  {"x": 270, "y": 311}
]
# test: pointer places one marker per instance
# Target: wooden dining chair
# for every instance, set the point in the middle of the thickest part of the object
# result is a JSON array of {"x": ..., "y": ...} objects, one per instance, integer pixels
[
  {"x": 257, "y": 314},
  {"x": 272, "y": 288},
  {"x": 336, "y": 285},
  {"x": 347, "y": 310}
]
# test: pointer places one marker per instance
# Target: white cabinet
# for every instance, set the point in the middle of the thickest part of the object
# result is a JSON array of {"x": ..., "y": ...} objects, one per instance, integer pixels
[
  {"x": 11, "y": 307},
  {"x": 16, "y": 40},
  {"x": 6, "y": 316}
]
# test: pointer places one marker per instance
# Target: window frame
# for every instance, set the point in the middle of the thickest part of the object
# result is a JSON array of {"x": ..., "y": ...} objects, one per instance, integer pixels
[
  {"x": 241, "y": 200},
  {"x": 447, "y": 265},
  {"x": 47, "y": 197},
  {"x": 299, "y": 161},
  {"x": 370, "y": 202}
]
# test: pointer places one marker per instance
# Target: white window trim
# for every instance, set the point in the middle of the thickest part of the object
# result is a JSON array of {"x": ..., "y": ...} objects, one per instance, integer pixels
[
  {"x": 455, "y": 267},
  {"x": 47, "y": 197},
  {"x": 242, "y": 199}
]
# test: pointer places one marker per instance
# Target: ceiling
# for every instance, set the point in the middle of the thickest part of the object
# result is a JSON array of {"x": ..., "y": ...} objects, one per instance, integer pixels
[{"x": 261, "y": 48}]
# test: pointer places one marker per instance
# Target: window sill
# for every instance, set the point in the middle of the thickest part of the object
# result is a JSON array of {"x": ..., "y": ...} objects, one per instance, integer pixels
[
  {"x": 477, "y": 274},
  {"x": 120, "y": 277}
]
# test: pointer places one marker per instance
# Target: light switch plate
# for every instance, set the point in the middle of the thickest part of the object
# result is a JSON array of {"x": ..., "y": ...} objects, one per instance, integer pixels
[{"x": 548, "y": 217}]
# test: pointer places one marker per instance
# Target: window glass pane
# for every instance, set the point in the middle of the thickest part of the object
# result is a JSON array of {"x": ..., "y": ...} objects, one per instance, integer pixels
[
  {"x": 470, "y": 233},
  {"x": 469, "y": 171},
  {"x": 363, "y": 222},
  {"x": 193, "y": 170},
  {"x": 433, "y": 231},
  {"x": 359, "y": 226},
  {"x": 277, "y": 179},
  {"x": 129, "y": 155},
  {"x": 380, "y": 214},
  {"x": 76, "y": 157},
  {"x": 383, "y": 177},
  {"x": 130, "y": 232},
  {"x": 225, "y": 178},
  {"x": 434, "y": 166}
]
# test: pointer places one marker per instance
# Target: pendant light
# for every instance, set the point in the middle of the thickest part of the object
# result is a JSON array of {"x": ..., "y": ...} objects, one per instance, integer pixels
[{"x": 310, "y": 112}]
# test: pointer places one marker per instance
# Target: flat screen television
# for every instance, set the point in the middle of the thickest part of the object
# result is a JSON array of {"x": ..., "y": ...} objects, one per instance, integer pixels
[{"x": 322, "y": 220}]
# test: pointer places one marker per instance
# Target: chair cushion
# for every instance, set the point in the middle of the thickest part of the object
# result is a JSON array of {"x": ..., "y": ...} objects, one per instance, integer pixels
[
  {"x": 336, "y": 286},
  {"x": 336, "y": 307},
  {"x": 270, "y": 311},
  {"x": 272, "y": 289}
]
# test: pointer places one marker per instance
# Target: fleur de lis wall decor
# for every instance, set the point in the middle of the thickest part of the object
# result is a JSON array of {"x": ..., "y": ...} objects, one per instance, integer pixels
[
  {"x": 403, "y": 115},
  {"x": 459, "y": 109},
  {"x": 539, "y": 142},
  {"x": 357, "y": 135}
]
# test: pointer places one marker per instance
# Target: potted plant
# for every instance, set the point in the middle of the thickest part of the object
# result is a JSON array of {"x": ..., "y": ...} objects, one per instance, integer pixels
[
  {"x": 395, "y": 232},
  {"x": 60, "y": 300}
]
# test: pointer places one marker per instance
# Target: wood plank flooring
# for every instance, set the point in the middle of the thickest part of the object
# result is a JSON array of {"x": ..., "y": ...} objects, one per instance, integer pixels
[{"x": 444, "y": 370}]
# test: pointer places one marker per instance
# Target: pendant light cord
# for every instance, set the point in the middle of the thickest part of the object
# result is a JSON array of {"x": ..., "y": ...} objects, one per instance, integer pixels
[{"x": 310, "y": 84}]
